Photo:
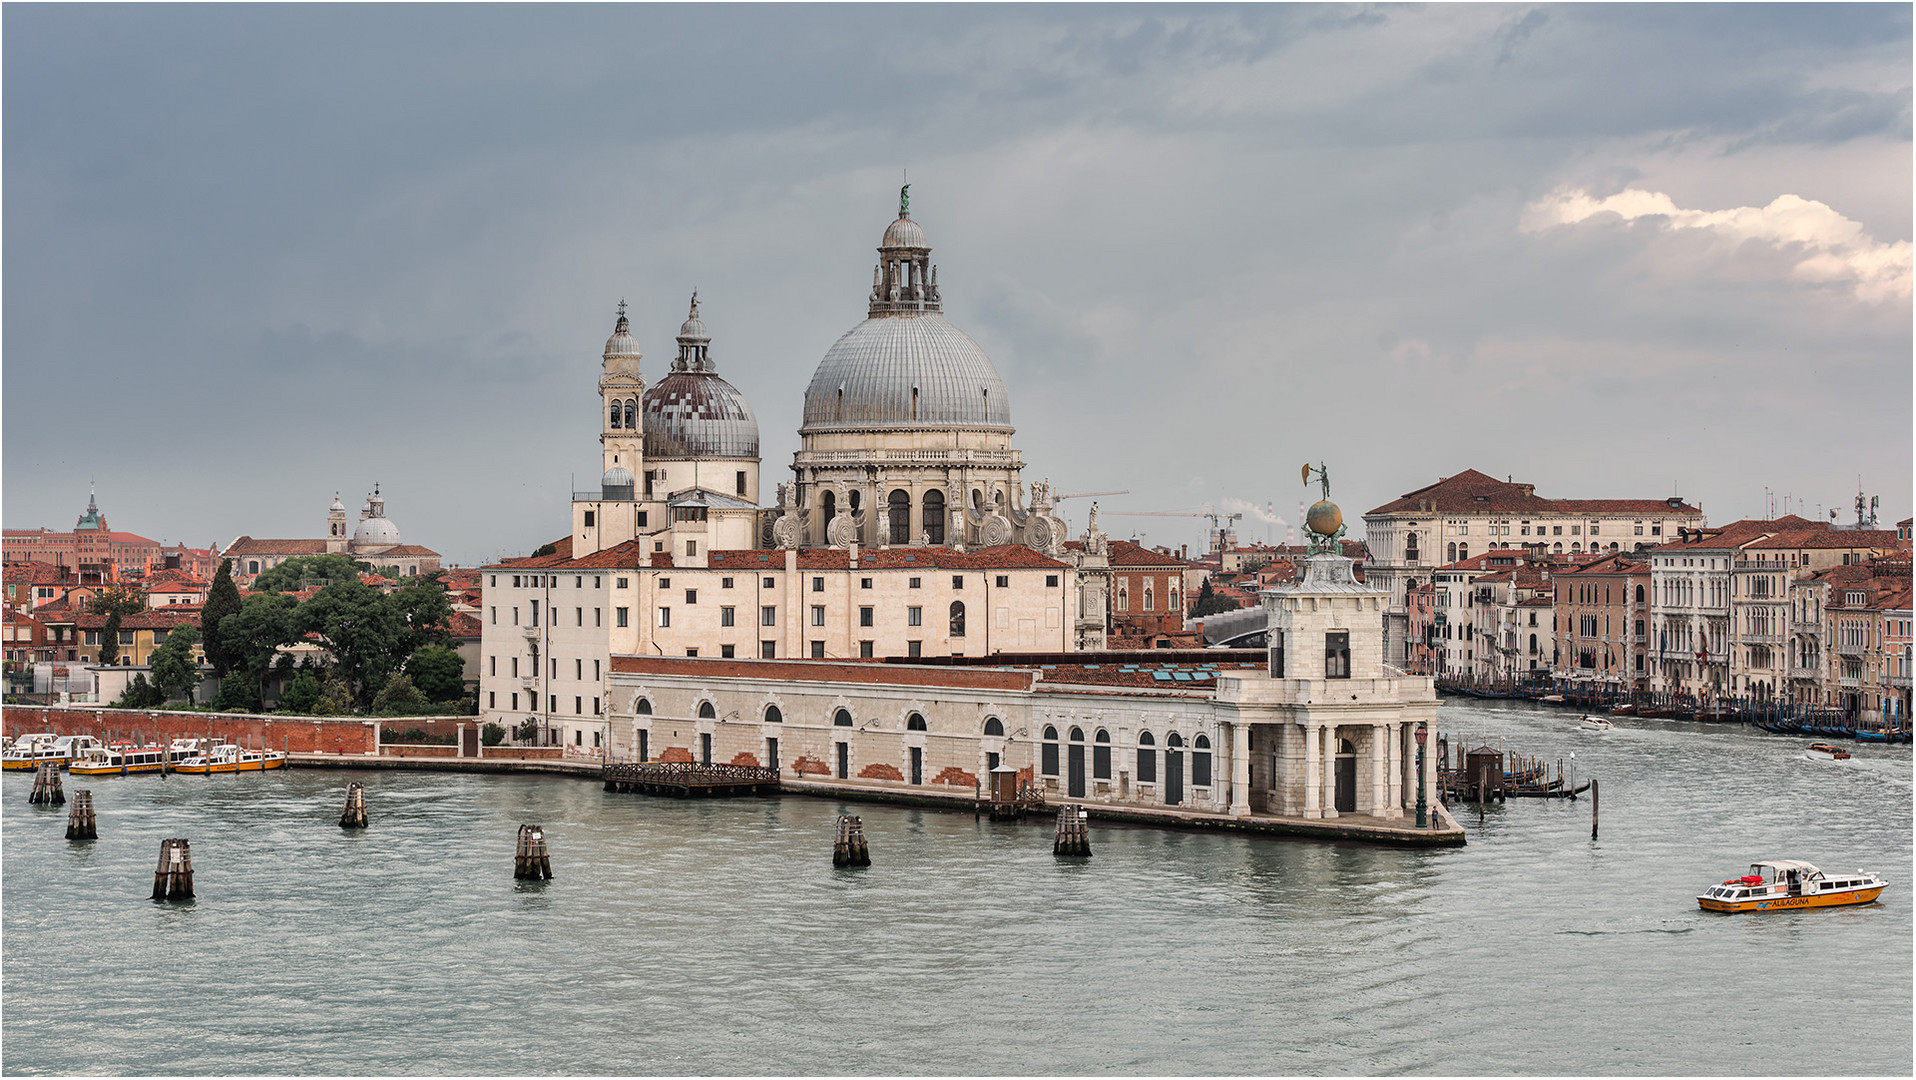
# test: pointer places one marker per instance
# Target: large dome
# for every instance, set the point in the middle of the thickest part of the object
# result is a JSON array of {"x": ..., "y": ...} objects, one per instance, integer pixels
[
  {"x": 909, "y": 369},
  {"x": 376, "y": 532},
  {"x": 696, "y": 414}
]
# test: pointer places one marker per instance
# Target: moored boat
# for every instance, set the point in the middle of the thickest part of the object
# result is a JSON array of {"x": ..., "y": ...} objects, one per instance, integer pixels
[
  {"x": 1622, "y": 710},
  {"x": 1595, "y": 723},
  {"x": 1823, "y": 751},
  {"x": 226, "y": 757},
  {"x": 31, "y": 751},
  {"x": 120, "y": 759},
  {"x": 1786, "y": 884}
]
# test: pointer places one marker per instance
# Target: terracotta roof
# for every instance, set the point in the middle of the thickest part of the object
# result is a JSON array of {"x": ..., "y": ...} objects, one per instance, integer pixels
[
  {"x": 1619, "y": 562},
  {"x": 246, "y": 545},
  {"x": 872, "y": 673},
  {"x": 1780, "y": 533},
  {"x": 1482, "y": 562},
  {"x": 406, "y": 549},
  {"x": 562, "y": 552},
  {"x": 165, "y": 618},
  {"x": 130, "y": 538},
  {"x": 37, "y": 573},
  {"x": 1126, "y": 553},
  {"x": 462, "y": 625},
  {"x": 1473, "y": 492}
]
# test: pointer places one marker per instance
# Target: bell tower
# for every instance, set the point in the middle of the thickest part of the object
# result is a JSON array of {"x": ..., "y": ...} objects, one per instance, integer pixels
[{"x": 620, "y": 389}]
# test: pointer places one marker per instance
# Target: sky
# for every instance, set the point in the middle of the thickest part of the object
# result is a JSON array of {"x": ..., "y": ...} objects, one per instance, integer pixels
[{"x": 255, "y": 255}]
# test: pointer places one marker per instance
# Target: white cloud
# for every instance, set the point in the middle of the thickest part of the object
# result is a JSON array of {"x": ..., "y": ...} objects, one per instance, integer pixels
[{"x": 1833, "y": 248}]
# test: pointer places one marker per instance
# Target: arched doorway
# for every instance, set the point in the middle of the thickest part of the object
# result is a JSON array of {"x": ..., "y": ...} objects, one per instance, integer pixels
[
  {"x": 1074, "y": 765},
  {"x": 1346, "y": 794},
  {"x": 1173, "y": 770}
]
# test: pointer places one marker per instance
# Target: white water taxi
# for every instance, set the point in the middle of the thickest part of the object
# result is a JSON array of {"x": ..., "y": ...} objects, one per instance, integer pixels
[
  {"x": 1823, "y": 751},
  {"x": 1785, "y": 884},
  {"x": 1595, "y": 723},
  {"x": 120, "y": 759},
  {"x": 226, "y": 757},
  {"x": 31, "y": 751}
]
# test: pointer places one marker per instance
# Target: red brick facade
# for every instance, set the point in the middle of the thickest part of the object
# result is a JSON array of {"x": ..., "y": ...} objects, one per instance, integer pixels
[{"x": 299, "y": 735}]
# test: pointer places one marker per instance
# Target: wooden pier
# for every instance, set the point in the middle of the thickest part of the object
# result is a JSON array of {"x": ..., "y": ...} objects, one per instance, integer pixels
[{"x": 689, "y": 780}]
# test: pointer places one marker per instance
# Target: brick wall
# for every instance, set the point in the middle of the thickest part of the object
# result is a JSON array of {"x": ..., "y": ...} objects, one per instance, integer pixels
[{"x": 297, "y": 734}]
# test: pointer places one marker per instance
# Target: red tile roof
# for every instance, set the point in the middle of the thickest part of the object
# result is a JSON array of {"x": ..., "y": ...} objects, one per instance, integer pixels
[
  {"x": 1473, "y": 492},
  {"x": 165, "y": 618},
  {"x": 246, "y": 545},
  {"x": 462, "y": 625}
]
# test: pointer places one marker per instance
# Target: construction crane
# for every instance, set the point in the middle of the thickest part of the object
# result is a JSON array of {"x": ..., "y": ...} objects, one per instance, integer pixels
[
  {"x": 1218, "y": 521},
  {"x": 1086, "y": 495}
]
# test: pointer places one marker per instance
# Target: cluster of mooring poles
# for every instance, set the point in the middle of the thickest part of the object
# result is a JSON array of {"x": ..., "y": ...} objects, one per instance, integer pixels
[
  {"x": 1073, "y": 839},
  {"x": 46, "y": 786},
  {"x": 531, "y": 862},
  {"x": 849, "y": 848}
]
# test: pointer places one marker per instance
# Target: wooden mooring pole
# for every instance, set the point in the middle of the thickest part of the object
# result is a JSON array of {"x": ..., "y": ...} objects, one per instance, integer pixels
[
  {"x": 46, "y": 786},
  {"x": 849, "y": 848},
  {"x": 80, "y": 823},
  {"x": 531, "y": 863},
  {"x": 173, "y": 880},
  {"x": 1593, "y": 808},
  {"x": 1073, "y": 838},
  {"x": 354, "y": 816}
]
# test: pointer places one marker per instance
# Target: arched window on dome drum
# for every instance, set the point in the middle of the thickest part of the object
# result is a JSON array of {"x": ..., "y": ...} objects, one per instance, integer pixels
[
  {"x": 914, "y": 722},
  {"x": 899, "y": 506},
  {"x": 1101, "y": 755},
  {"x": 1147, "y": 758},
  {"x": 852, "y": 501},
  {"x": 935, "y": 516},
  {"x": 841, "y": 718},
  {"x": 614, "y": 421},
  {"x": 957, "y": 618},
  {"x": 829, "y": 505},
  {"x": 631, "y": 416},
  {"x": 993, "y": 727}
]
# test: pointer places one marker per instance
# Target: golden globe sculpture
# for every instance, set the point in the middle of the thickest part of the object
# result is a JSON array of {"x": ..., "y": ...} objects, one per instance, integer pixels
[{"x": 1324, "y": 518}]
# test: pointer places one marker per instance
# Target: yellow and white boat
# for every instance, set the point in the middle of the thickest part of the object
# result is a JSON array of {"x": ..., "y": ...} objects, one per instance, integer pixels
[
  {"x": 1786, "y": 885},
  {"x": 226, "y": 758},
  {"x": 31, "y": 751},
  {"x": 120, "y": 759}
]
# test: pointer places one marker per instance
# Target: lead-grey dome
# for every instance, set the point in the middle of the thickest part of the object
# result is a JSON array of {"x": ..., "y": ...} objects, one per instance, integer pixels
[
  {"x": 696, "y": 414},
  {"x": 376, "y": 531},
  {"x": 909, "y": 369}
]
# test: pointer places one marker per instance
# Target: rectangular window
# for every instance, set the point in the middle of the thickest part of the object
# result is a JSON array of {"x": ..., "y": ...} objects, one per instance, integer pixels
[
  {"x": 691, "y": 597},
  {"x": 578, "y": 669},
  {"x": 725, "y": 652},
  {"x": 914, "y": 583},
  {"x": 691, "y": 548},
  {"x": 818, "y": 584},
  {"x": 818, "y": 650},
  {"x": 578, "y": 706},
  {"x": 771, "y": 583},
  {"x": 588, "y": 519},
  {"x": 725, "y": 583},
  {"x": 494, "y": 665},
  {"x": 665, "y": 616},
  {"x": 1147, "y": 765},
  {"x": 620, "y": 616},
  {"x": 914, "y": 648},
  {"x": 552, "y": 703},
  {"x": 864, "y": 583},
  {"x": 957, "y": 581},
  {"x": 495, "y": 615},
  {"x": 595, "y": 671},
  {"x": 818, "y": 614},
  {"x": 515, "y": 703},
  {"x": 691, "y": 652},
  {"x": 1051, "y": 581},
  {"x": 515, "y": 667},
  {"x": 741, "y": 481},
  {"x": 914, "y": 616},
  {"x": 865, "y": 649},
  {"x": 768, "y": 616},
  {"x": 726, "y": 616},
  {"x": 665, "y": 583},
  {"x": 1277, "y": 656},
  {"x": 535, "y": 613},
  {"x": 768, "y": 650},
  {"x": 515, "y": 614},
  {"x": 1004, "y": 581},
  {"x": 1337, "y": 654},
  {"x": 578, "y": 615},
  {"x": 598, "y": 616},
  {"x": 492, "y": 699},
  {"x": 864, "y": 616},
  {"x": 1101, "y": 761},
  {"x": 619, "y": 583}
]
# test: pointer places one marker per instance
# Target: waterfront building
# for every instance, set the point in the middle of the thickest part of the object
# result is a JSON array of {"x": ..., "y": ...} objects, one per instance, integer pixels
[
  {"x": 1444, "y": 522},
  {"x": 1322, "y": 729},
  {"x": 1859, "y": 602},
  {"x": 1511, "y": 615},
  {"x": 1601, "y": 614},
  {"x": 1145, "y": 591},
  {"x": 77, "y": 633},
  {"x": 93, "y": 548},
  {"x": 1692, "y": 594},
  {"x": 373, "y": 539},
  {"x": 1453, "y": 627}
]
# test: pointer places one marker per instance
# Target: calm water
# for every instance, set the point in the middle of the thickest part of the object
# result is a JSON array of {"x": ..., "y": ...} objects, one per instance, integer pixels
[{"x": 716, "y": 937}]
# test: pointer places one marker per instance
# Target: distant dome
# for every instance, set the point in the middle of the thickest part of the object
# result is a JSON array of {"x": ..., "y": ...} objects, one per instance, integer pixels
[
  {"x": 337, "y": 505},
  {"x": 376, "y": 532},
  {"x": 622, "y": 343},
  {"x": 904, "y": 233},
  {"x": 617, "y": 474},
  {"x": 696, "y": 414},
  {"x": 907, "y": 369}
]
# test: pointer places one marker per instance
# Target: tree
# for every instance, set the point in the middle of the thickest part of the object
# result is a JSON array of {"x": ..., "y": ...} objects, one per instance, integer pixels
[
  {"x": 303, "y": 570},
  {"x": 1209, "y": 602},
  {"x": 253, "y": 636},
  {"x": 301, "y": 695},
  {"x": 366, "y": 635},
  {"x": 422, "y": 606},
  {"x": 543, "y": 550},
  {"x": 222, "y": 600},
  {"x": 174, "y": 672},
  {"x": 399, "y": 697},
  {"x": 140, "y": 694},
  {"x": 438, "y": 672},
  {"x": 114, "y": 603}
]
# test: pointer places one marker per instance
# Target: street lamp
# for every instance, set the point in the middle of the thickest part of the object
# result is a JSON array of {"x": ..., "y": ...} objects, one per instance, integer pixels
[{"x": 1423, "y": 820}]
